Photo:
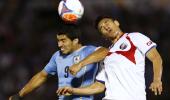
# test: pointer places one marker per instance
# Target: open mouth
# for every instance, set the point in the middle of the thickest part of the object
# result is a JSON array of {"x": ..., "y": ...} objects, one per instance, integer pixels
[{"x": 62, "y": 49}]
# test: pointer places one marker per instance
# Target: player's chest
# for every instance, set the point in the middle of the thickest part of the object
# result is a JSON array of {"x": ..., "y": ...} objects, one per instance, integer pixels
[
  {"x": 63, "y": 64},
  {"x": 69, "y": 60},
  {"x": 123, "y": 50},
  {"x": 121, "y": 45}
]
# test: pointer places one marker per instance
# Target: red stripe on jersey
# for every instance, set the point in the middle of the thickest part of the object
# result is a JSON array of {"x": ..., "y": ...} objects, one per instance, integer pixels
[
  {"x": 130, "y": 53},
  {"x": 109, "y": 53}
]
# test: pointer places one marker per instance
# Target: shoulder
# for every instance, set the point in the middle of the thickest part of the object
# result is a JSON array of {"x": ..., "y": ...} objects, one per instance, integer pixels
[
  {"x": 136, "y": 34},
  {"x": 138, "y": 37},
  {"x": 55, "y": 54},
  {"x": 89, "y": 48}
]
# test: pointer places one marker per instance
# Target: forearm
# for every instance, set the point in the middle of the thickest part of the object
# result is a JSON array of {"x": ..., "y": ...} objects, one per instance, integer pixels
[
  {"x": 96, "y": 56},
  {"x": 34, "y": 83},
  {"x": 157, "y": 69},
  {"x": 156, "y": 60},
  {"x": 85, "y": 91},
  {"x": 90, "y": 90}
]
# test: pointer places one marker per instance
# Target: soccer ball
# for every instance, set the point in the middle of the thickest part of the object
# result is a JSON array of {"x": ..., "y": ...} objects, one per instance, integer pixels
[{"x": 71, "y": 11}]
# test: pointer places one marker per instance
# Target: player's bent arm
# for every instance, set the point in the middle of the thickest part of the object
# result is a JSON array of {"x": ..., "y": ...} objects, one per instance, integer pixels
[
  {"x": 34, "y": 83},
  {"x": 94, "y": 88},
  {"x": 156, "y": 59}
]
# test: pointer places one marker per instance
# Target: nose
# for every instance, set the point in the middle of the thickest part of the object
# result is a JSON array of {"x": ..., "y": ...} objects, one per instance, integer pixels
[
  {"x": 60, "y": 43},
  {"x": 106, "y": 28}
]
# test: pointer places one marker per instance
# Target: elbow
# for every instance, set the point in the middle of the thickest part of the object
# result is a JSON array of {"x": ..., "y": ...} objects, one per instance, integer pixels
[{"x": 159, "y": 59}]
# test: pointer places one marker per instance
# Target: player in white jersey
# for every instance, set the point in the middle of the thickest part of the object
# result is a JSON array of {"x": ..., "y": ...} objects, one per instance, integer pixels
[
  {"x": 123, "y": 72},
  {"x": 71, "y": 52}
]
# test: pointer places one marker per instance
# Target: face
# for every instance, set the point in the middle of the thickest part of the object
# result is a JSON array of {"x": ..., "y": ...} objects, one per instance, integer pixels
[
  {"x": 108, "y": 27},
  {"x": 65, "y": 44}
]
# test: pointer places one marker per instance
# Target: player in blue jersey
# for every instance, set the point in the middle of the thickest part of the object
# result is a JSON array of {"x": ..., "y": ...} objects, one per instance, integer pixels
[{"x": 71, "y": 52}]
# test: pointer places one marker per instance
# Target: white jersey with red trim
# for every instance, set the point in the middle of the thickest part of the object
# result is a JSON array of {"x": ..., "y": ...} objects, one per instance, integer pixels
[{"x": 123, "y": 71}]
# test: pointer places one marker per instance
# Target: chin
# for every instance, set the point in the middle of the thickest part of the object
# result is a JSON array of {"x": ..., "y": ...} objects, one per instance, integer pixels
[{"x": 65, "y": 53}]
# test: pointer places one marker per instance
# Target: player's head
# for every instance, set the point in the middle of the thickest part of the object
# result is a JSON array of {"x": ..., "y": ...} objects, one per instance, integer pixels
[
  {"x": 107, "y": 26},
  {"x": 68, "y": 38}
]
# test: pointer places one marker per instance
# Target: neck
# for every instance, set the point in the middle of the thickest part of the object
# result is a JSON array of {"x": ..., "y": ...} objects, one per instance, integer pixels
[
  {"x": 78, "y": 46},
  {"x": 119, "y": 34}
]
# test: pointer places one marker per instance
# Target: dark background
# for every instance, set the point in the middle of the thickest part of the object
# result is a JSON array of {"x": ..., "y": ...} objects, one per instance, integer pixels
[{"x": 27, "y": 38}]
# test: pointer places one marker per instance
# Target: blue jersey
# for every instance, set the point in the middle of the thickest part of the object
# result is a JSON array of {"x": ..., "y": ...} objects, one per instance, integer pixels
[{"x": 59, "y": 64}]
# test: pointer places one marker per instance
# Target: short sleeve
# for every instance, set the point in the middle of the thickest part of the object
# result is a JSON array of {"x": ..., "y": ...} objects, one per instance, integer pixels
[
  {"x": 86, "y": 52},
  {"x": 51, "y": 67},
  {"x": 142, "y": 42}
]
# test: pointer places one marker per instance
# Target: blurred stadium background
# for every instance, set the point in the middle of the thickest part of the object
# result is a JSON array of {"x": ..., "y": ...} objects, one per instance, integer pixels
[{"x": 27, "y": 38}]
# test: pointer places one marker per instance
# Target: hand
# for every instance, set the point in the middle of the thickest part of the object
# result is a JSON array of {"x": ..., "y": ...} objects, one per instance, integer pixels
[
  {"x": 65, "y": 91},
  {"x": 15, "y": 97},
  {"x": 156, "y": 87},
  {"x": 74, "y": 69}
]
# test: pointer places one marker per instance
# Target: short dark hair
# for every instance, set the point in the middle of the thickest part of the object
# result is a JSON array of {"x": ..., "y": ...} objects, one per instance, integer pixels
[
  {"x": 99, "y": 18},
  {"x": 70, "y": 30}
]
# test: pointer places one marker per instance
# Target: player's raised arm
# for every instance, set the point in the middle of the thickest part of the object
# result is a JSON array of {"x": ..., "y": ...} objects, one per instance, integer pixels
[
  {"x": 95, "y": 88},
  {"x": 96, "y": 56},
  {"x": 155, "y": 58},
  {"x": 34, "y": 83}
]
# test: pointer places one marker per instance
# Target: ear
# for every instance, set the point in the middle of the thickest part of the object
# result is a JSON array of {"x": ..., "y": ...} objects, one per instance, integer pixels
[
  {"x": 116, "y": 22},
  {"x": 75, "y": 41}
]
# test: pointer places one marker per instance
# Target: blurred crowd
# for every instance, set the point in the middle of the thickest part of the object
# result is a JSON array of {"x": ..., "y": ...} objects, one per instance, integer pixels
[{"x": 27, "y": 38}]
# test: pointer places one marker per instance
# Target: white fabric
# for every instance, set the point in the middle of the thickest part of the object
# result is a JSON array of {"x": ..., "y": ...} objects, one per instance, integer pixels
[{"x": 124, "y": 79}]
